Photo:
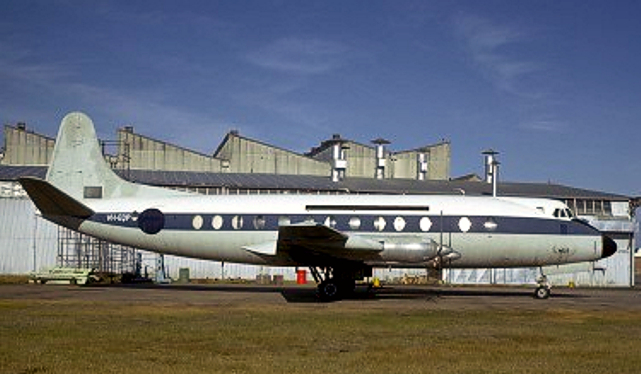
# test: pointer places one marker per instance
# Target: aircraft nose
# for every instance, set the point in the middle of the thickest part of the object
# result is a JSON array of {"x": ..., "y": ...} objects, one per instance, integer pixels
[{"x": 609, "y": 247}]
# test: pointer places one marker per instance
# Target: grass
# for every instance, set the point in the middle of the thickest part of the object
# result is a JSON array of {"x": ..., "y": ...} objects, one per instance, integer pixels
[
  {"x": 69, "y": 336},
  {"x": 13, "y": 279}
]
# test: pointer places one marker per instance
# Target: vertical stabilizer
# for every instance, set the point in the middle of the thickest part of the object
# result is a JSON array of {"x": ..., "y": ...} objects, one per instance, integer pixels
[{"x": 79, "y": 169}]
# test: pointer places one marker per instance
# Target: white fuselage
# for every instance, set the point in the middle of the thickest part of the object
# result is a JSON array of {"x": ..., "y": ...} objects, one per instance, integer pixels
[{"x": 483, "y": 231}]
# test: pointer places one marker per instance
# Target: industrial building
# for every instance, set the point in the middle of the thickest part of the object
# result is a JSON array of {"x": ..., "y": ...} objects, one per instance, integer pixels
[{"x": 241, "y": 165}]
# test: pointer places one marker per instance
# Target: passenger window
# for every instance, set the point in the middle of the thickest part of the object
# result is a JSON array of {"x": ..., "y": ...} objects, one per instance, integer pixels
[
  {"x": 490, "y": 224},
  {"x": 330, "y": 221},
  {"x": 425, "y": 224},
  {"x": 465, "y": 224},
  {"x": 217, "y": 222},
  {"x": 259, "y": 222},
  {"x": 283, "y": 221},
  {"x": 399, "y": 224},
  {"x": 354, "y": 223},
  {"x": 237, "y": 222},
  {"x": 197, "y": 222},
  {"x": 379, "y": 224}
]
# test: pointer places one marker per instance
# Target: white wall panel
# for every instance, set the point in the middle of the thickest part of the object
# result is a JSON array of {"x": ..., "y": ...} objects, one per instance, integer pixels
[{"x": 27, "y": 242}]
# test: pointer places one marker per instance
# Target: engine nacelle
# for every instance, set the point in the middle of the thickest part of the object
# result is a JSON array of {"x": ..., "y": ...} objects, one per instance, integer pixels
[{"x": 409, "y": 252}]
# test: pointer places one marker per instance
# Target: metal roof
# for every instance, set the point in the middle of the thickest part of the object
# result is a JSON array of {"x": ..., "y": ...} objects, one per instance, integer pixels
[
  {"x": 12, "y": 173},
  {"x": 320, "y": 183}
]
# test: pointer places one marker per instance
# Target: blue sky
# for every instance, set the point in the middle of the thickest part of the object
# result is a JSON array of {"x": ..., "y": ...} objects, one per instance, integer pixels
[{"x": 553, "y": 85}]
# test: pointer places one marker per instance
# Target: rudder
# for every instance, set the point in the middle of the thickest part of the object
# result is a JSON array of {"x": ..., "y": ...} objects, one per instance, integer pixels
[{"x": 79, "y": 169}]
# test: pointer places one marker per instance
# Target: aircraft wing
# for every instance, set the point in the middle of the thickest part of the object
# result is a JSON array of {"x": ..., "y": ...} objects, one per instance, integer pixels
[
  {"x": 308, "y": 233},
  {"x": 311, "y": 240},
  {"x": 305, "y": 240}
]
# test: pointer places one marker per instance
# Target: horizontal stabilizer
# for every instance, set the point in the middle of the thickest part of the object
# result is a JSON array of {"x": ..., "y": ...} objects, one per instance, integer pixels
[{"x": 52, "y": 201}]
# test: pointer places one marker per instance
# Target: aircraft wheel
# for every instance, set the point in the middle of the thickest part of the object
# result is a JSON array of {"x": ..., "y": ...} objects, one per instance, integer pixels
[
  {"x": 328, "y": 290},
  {"x": 542, "y": 292}
]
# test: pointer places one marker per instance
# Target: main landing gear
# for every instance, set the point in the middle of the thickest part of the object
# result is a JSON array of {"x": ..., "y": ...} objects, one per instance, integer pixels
[
  {"x": 336, "y": 283},
  {"x": 543, "y": 288}
]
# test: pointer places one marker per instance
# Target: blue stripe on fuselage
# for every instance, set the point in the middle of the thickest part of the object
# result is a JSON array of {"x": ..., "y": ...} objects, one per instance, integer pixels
[{"x": 446, "y": 224}]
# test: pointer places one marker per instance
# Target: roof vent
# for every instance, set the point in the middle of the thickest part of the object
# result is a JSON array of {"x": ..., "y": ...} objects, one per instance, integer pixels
[
  {"x": 380, "y": 157},
  {"x": 421, "y": 166},
  {"x": 491, "y": 169},
  {"x": 339, "y": 161}
]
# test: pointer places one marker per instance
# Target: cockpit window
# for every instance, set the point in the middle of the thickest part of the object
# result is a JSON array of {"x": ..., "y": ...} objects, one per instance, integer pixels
[{"x": 563, "y": 213}]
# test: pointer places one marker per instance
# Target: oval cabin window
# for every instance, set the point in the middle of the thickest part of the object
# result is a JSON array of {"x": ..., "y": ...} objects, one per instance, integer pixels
[
  {"x": 399, "y": 223},
  {"x": 217, "y": 222},
  {"x": 237, "y": 222},
  {"x": 379, "y": 224}
]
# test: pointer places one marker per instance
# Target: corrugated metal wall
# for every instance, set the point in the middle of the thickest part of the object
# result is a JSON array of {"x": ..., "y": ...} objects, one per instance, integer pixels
[
  {"x": 247, "y": 156},
  {"x": 204, "y": 269},
  {"x": 361, "y": 161},
  {"x": 148, "y": 154},
  {"x": 439, "y": 161},
  {"x": 405, "y": 165},
  {"x": 27, "y": 242},
  {"x": 24, "y": 147}
]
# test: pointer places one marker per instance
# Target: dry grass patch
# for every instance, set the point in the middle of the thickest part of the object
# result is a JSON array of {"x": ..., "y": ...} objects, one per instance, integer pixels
[
  {"x": 73, "y": 337},
  {"x": 13, "y": 279}
]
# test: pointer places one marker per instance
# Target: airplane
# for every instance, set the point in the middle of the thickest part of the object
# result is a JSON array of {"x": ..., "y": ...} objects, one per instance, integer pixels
[{"x": 340, "y": 238}]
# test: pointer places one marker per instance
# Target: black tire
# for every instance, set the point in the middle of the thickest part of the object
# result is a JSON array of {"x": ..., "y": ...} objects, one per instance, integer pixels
[
  {"x": 542, "y": 293},
  {"x": 328, "y": 291}
]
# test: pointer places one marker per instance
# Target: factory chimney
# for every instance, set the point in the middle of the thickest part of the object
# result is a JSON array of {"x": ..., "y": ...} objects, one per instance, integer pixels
[
  {"x": 380, "y": 157},
  {"x": 339, "y": 162},
  {"x": 421, "y": 166},
  {"x": 491, "y": 169}
]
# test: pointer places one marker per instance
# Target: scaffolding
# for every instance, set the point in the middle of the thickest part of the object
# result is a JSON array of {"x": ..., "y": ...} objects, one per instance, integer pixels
[{"x": 76, "y": 250}]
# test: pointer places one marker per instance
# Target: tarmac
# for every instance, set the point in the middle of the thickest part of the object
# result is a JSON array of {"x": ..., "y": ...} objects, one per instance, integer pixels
[{"x": 389, "y": 297}]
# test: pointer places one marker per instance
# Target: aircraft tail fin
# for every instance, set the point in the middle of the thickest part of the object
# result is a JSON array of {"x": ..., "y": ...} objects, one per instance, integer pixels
[{"x": 78, "y": 167}]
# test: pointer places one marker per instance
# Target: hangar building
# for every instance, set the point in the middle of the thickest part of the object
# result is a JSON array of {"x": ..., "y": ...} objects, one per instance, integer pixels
[{"x": 241, "y": 165}]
